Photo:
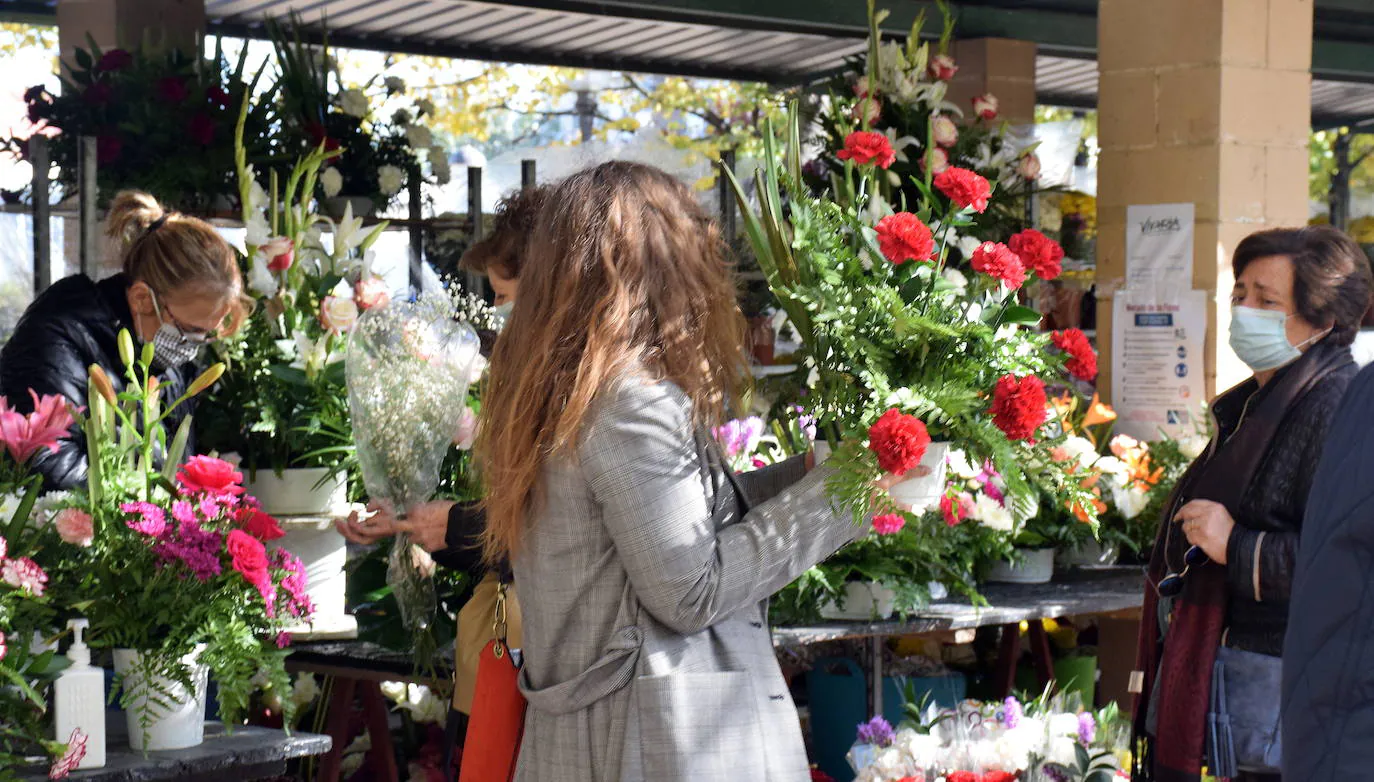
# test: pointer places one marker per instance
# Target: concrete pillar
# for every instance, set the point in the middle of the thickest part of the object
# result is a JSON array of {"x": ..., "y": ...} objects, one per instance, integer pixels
[
  {"x": 127, "y": 23},
  {"x": 1208, "y": 102},
  {"x": 1001, "y": 66}
]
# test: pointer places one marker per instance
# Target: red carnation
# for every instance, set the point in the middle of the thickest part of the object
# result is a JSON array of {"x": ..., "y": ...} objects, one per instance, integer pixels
[
  {"x": 1082, "y": 362},
  {"x": 202, "y": 129},
  {"x": 903, "y": 237},
  {"x": 1018, "y": 406},
  {"x": 899, "y": 440},
  {"x": 966, "y": 188},
  {"x": 249, "y": 556},
  {"x": 218, "y": 96},
  {"x": 259, "y": 524},
  {"x": 172, "y": 89},
  {"x": 996, "y": 260},
  {"x": 206, "y": 473},
  {"x": 1038, "y": 252},
  {"x": 961, "y": 776},
  {"x": 115, "y": 60},
  {"x": 866, "y": 146},
  {"x": 998, "y": 776}
]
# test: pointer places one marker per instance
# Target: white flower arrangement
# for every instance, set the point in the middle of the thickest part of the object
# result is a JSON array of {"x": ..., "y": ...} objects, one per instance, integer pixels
[{"x": 390, "y": 180}]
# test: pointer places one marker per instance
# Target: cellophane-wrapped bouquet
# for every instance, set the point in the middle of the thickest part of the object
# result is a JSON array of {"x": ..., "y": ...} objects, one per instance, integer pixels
[{"x": 409, "y": 365}]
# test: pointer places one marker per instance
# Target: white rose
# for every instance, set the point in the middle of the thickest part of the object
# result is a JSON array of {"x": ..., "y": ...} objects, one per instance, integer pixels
[
  {"x": 1129, "y": 500},
  {"x": 395, "y": 84},
  {"x": 419, "y": 136},
  {"x": 1081, "y": 449},
  {"x": 944, "y": 131},
  {"x": 956, "y": 278},
  {"x": 338, "y": 314},
  {"x": 332, "y": 181},
  {"x": 390, "y": 180}
]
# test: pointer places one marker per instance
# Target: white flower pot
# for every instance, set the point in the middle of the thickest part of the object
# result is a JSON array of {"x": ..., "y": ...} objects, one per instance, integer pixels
[
  {"x": 1035, "y": 566},
  {"x": 176, "y": 724},
  {"x": 1090, "y": 553},
  {"x": 922, "y": 492},
  {"x": 863, "y": 600},
  {"x": 299, "y": 491},
  {"x": 324, "y": 552}
]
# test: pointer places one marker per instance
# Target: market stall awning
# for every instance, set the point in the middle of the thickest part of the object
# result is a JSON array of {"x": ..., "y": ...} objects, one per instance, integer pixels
[{"x": 779, "y": 41}]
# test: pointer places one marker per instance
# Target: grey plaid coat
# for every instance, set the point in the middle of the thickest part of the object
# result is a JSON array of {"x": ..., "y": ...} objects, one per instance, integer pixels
[{"x": 646, "y": 644}]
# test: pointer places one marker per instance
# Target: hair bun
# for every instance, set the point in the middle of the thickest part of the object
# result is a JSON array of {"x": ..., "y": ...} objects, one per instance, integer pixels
[{"x": 131, "y": 214}]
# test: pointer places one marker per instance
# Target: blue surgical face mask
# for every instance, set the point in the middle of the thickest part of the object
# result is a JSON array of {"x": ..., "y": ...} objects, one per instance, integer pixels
[{"x": 1260, "y": 338}]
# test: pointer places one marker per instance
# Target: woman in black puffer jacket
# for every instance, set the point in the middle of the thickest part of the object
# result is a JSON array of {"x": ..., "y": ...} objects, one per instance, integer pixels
[{"x": 180, "y": 288}]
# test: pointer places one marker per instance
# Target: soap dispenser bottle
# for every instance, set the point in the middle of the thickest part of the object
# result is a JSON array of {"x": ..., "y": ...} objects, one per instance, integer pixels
[{"x": 79, "y": 695}]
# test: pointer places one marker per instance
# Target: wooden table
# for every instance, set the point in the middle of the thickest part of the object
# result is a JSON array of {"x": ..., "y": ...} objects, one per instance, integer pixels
[
  {"x": 1085, "y": 592},
  {"x": 248, "y": 753},
  {"x": 357, "y": 669}
]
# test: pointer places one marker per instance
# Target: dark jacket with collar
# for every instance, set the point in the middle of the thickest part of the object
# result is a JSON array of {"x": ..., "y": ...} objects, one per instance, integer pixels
[
  {"x": 1264, "y": 543},
  {"x": 1328, "y": 658},
  {"x": 71, "y": 325}
]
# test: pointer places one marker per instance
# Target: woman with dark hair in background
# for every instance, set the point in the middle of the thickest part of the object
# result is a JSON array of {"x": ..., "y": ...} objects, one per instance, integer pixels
[
  {"x": 1221, "y": 572},
  {"x": 179, "y": 289}
]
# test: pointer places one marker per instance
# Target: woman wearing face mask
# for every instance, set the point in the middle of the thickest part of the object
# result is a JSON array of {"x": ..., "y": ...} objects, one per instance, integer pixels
[
  {"x": 1221, "y": 571},
  {"x": 179, "y": 289}
]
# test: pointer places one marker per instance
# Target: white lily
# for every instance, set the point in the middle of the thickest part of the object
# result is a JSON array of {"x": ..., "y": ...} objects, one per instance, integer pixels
[
  {"x": 900, "y": 143},
  {"x": 348, "y": 233}
]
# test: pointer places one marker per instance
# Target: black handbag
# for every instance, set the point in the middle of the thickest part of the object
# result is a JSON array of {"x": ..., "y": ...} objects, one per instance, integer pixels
[{"x": 1243, "y": 724}]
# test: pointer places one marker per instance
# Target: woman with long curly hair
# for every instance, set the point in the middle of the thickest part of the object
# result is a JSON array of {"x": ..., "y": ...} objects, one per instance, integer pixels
[{"x": 643, "y": 571}]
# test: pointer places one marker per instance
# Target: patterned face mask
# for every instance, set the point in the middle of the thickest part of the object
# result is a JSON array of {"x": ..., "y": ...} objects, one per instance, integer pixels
[{"x": 172, "y": 346}]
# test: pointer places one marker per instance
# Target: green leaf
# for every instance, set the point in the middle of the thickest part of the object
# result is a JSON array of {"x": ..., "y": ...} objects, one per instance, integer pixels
[
  {"x": 289, "y": 374},
  {"x": 1017, "y": 314}
]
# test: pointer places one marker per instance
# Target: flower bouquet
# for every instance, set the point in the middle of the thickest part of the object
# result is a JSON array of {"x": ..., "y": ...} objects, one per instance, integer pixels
[
  {"x": 903, "y": 351},
  {"x": 25, "y": 605},
  {"x": 899, "y": 93},
  {"x": 409, "y": 366},
  {"x": 167, "y": 559}
]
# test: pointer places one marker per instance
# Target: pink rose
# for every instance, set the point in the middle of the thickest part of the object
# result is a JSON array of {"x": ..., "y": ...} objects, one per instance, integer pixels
[
  {"x": 1029, "y": 167},
  {"x": 467, "y": 430},
  {"x": 944, "y": 131},
  {"x": 985, "y": 106},
  {"x": 75, "y": 526},
  {"x": 868, "y": 108},
  {"x": 861, "y": 87},
  {"x": 279, "y": 252},
  {"x": 937, "y": 159},
  {"x": 3, "y": 649},
  {"x": 942, "y": 67},
  {"x": 371, "y": 293},
  {"x": 338, "y": 313}
]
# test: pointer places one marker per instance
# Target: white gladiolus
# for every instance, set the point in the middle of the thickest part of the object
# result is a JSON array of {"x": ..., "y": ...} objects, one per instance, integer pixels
[{"x": 260, "y": 278}]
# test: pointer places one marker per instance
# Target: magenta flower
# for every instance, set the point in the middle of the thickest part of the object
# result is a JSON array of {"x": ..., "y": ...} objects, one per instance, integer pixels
[
  {"x": 888, "y": 523},
  {"x": 151, "y": 521},
  {"x": 3, "y": 649},
  {"x": 25, "y": 575},
  {"x": 198, "y": 549},
  {"x": 1087, "y": 729},
  {"x": 740, "y": 436},
  {"x": 25, "y": 435},
  {"x": 4, "y": 547},
  {"x": 877, "y": 732},
  {"x": 183, "y": 512},
  {"x": 283, "y": 639},
  {"x": 71, "y": 758},
  {"x": 1011, "y": 713}
]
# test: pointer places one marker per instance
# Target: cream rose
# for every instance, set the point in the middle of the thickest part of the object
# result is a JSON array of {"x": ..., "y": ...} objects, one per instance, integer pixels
[
  {"x": 338, "y": 314},
  {"x": 944, "y": 131}
]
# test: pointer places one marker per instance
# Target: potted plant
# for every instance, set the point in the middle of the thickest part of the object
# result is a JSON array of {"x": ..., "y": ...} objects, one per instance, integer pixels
[
  {"x": 163, "y": 122},
  {"x": 167, "y": 558}
]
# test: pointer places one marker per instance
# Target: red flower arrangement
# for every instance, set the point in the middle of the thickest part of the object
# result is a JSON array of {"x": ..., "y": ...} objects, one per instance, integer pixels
[
  {"x": 1018, "y": 406},
  {"x": 899, "y": 440},
  {"x": 865, "y": 147},
  {"x": 208, "y": 474},
  {"x": 1082, "y": 361},
  {"x": 260, "y": 525},
  {"x": 966, "y": 188},
  {"x": 996, "y": 260},
  {"x": 903, "y": 237},
  {"x": 1038, "y": 252}
]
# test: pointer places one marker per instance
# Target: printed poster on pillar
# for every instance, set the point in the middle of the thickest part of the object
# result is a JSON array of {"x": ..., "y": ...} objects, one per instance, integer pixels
[{"x": 1159, "y": 327}]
